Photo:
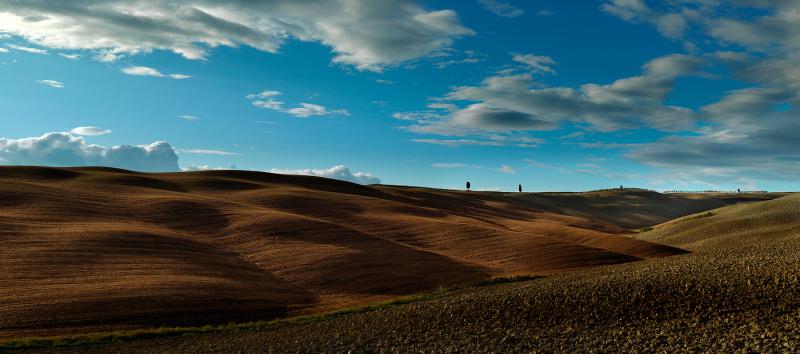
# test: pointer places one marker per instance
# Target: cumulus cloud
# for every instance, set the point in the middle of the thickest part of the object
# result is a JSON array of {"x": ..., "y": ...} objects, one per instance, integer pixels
[
  {"x": 51, "y": 83},
  {"x": 147, "y": 71},
  {"x": 90, "y": 131},
  {"x": 509, "y": 103},
  {"x": 65, "y": 149},
  {"x": 268, "y": 99},
  {"x": 502, "y": 9},
  {"x": 368, "y": 34},
  {"x": 340, "y": 172}
]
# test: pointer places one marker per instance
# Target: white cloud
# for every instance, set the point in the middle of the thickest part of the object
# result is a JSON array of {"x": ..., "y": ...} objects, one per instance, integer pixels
[
  {"x": 368, "y": 34},
  {"x": 265, "y": 94},
  {"x": 65, "y": 149},
  {"x": 536, "y": 63},
  {"x": 458, "y": 142},
  {"x": 72, "y": 56},
  {"x": 340, "y": 172},
  {"x": 502, "y": 9},
  {"x": 448, "y": 165},
  {"x": 51, "y": 83},
  {"x": 447, "y": 63},
  {"x": 3, "y": 50},
  {"x": 188, "y": 117},
  {"x": 147, "y": 71},
  {"x": 669, "y": 24},
  {"x": 507, "y": 169},
  {"x": 778, "y": 29},
  {"x": 754, "y": 130},
  {"x": 206, "y": 168},
  {"x": 446, "y": 58},
  {"x": 539, "y": 164},
  {"x": 90, "y": 131},
  {"x": 267, "y": 99},
  {"x": 384, "y": 81},
  {"x": 207, "y": 152},
  {"x": 511, "y": 103},
  {"x": 27, "y": 49},
  {"x": 309, "y": 109}
]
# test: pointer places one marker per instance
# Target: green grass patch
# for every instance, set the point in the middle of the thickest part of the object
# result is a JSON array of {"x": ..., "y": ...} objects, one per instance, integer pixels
[{"x": 162, "y": 332}]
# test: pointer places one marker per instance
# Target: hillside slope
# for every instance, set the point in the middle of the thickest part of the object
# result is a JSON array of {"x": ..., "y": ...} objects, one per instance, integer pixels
[
  {"x": 95, "y": 248},
  {"x": 739, "y": 292},
  {"x": 635, "y": 208},
  {"x": 737, "y": 226}
]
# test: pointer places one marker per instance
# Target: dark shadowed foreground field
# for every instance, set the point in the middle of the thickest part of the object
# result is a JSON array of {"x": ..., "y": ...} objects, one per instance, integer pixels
[{"x": 91, "y": 249}]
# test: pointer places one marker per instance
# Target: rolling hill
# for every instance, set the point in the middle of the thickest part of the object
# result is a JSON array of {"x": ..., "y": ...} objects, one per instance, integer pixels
[
  {"x": 738, "y": 292},
  {"x": 88, "y": 249},
  {"x": 737, "y": 226}
]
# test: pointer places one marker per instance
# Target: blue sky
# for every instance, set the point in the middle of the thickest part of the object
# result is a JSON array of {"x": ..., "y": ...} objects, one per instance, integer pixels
[{"x": 553, "y": 95}]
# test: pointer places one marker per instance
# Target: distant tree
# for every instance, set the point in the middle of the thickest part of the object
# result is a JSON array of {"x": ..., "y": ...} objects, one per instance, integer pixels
[
  {"x": 468, "y": 185},
  {"x": 620, "y": 186},
  {"x": 738, "y": 190},
  {"x": 520, "y": 188}
]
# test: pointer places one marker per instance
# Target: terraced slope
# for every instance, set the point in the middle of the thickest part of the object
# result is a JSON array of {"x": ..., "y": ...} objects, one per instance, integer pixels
[{"x": 88, "y": 249}]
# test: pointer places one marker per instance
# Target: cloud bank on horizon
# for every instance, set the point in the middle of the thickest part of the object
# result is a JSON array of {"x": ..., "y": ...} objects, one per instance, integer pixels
[
  {"x": 714, "y": 102},
  {"x": 69, "y": 149}
]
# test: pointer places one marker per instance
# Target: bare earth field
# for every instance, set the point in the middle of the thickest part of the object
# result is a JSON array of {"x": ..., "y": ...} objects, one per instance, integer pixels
[
  {"x": 738, "y": 295},
  {"x": 92, "y": 249}
]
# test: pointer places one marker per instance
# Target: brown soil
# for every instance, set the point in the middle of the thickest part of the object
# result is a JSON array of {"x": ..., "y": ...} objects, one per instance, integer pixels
[{"x": 88, "y": 249}]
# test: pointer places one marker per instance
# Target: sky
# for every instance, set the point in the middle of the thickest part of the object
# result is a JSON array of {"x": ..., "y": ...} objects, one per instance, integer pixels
[{"x": 553, "y": 95}]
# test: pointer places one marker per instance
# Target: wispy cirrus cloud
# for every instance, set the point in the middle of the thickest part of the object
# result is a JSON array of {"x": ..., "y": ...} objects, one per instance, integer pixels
[
  {"x": 71, "y": 56},
  {"x": 340, "y": 172},
  {"x": 148, "y": 71},
  {"x": 268, "y": 99},
  {"x": 28, "y": 49},
  {"x": 207, "y": 152},
  {"x": 51, "y": 83},
  {"x": 502, "y": 9},
  {"x": 90, "y": 131}
]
